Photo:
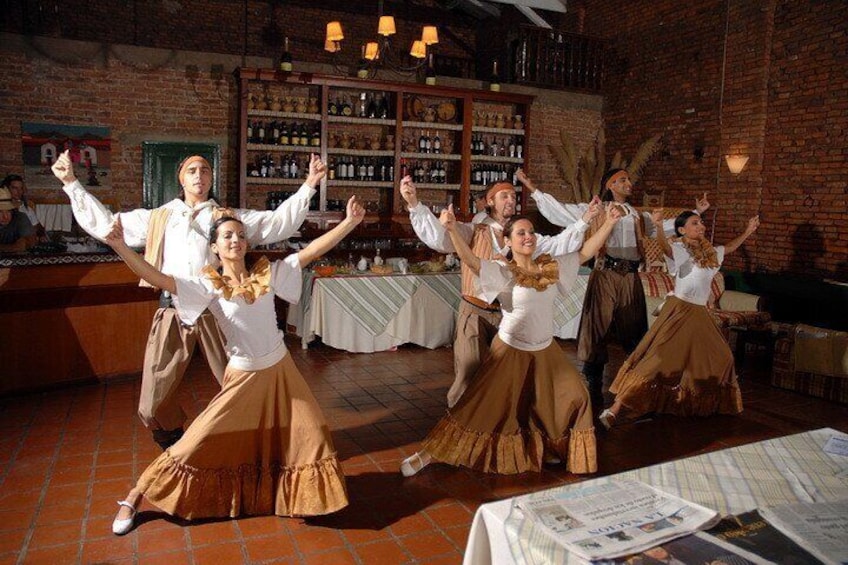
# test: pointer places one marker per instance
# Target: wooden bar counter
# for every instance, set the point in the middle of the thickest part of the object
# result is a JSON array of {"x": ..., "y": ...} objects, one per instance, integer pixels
[{"x": 70, "y": 318}]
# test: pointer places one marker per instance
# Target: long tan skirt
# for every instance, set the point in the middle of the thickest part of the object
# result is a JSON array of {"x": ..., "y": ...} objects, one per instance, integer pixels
[
  {"x": 520, "y": 405},
  {"x": 682, "y": 366},
  {"x": 262, "y": 446}
]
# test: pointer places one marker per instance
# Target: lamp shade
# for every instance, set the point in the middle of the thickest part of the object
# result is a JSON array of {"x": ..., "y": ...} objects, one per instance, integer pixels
[
  {"x": 386, "y": 26},
  {"x": 736, "y": 163},
  {"x": 334, "y": 31},
  {"x": 371, "y": 50},
  {"x": 419, "y": 50},
  {"x": 430, "y": 35}
]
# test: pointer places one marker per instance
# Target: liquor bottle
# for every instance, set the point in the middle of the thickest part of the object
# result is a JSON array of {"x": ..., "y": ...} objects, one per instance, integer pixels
[
  {"x": 263, "y": 167},
  {"x": 250, "y": 132},
  {"x": 383, "y": 106},
  {"x": 422, "y": 143},
  {"x": 351, "y": 169},
  {"x": 437, "y": 144},
  {"x": 371, "y": 106},
  {"x": 260, "y": 136},
  {"x": 293, "y": 168},
  {"x": 383, "y": 172},
  {"x": 294, "y": 138},
  {"x": 391, "y": 171},
  {"x": 315, "y": 140},
  {"x": 369, "y": 174},
  {"x": 347, "y": 110},
  {"x": 433, "y": 175},
  {"x": 428, "y": 144},
  {"x": 284, "y": 134},
  {"x": 286, "y": 58},
  {"x": 430, "y": 72},
  {"x": 512, "y": 147},
  {"x": 304, "y": 135},
  {"x": 443, "y": 174},
  {"x": 362, "y": 107},
  {"x": 333, "y": 107},
  {"x": 331, "y": 169},
  {"x": 362, "y": 170},
  {"x": 519, "y": 149},
  {"x": 495, "y": 81},
  {"x": 275, "y": 132},
  {"x": 404, "y": 169}
]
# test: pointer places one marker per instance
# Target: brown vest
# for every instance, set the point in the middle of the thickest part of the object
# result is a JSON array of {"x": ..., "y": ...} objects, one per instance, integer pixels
[
  {"x": 154, "y": 246},
  {"x": 596, "y": 224},
  {"x": 481, "y": 246}
]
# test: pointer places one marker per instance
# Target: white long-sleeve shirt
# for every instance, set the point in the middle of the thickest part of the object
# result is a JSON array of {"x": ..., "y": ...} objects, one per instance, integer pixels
[
  {"x": 186, "y": 244},
  {"x": 434, "y": 235},
  {"x": 621, "y": 243}
]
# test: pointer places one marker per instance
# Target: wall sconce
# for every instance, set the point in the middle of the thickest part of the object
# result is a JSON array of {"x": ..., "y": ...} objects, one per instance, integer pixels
[{"x": 736, "y": 163}]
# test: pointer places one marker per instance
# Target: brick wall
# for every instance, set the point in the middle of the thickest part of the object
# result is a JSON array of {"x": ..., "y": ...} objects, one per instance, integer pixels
[{"x": 784, "y": 103}]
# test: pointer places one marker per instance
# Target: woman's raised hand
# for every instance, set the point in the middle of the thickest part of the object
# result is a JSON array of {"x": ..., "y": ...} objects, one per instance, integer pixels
[
  {"x": 613, "y": 212},
  {"x": 64, "y": 169},
  {"x": 116, "y": 233},
  {"x": 753, "y": 224},
  {"x": 701, "y": 204},
  {"x": 355, "y": 211},
  {"x": 448, "y": 218},
  {"x": 657, "y": 217},
  {"x": 317, "y": 170},
  {"x": 594, "y": 210}
]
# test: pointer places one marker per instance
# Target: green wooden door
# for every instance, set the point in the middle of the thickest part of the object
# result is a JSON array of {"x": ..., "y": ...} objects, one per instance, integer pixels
[{"x": 161, "y": 160}]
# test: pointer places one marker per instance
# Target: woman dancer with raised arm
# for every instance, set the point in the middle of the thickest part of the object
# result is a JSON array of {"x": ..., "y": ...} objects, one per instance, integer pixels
[
  {"x": 262, "y": 445},
  {"x": 527, "y": 404},
  {"x": 683, "y": 365}
]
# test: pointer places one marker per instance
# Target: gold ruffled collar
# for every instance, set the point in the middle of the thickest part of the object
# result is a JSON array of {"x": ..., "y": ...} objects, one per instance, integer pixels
[
  {"x": 254, "y": 286},
  {"x": 545, "y": 277},
  {"x": 703, "y": 253}
]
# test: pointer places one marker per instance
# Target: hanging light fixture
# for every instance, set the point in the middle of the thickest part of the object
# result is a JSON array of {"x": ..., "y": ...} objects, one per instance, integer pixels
[{"x": 379, "y": 54}]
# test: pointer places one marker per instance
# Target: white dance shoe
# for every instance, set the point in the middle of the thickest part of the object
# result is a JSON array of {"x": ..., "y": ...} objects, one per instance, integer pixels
[
  {"x": 121, "y": 526},
  {"x": 414, "y": 463},
  {"x": 607, "y": 418}
]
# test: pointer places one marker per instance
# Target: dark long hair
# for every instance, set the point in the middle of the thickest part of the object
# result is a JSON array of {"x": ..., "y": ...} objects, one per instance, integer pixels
[
  {"x": 213, "y": 231},
  {"x": 507, "y": 231},
  {"x": 680, "y": 221}
]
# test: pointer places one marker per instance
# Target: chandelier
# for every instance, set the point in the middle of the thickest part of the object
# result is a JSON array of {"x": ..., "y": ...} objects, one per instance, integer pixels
[{"x": 378, "y": 54}]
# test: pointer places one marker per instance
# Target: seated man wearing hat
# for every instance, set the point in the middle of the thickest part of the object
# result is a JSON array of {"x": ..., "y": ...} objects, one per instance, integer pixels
[
  {"x": 477, "y": 321},
  {"x": 16, "y": 232},
  {"x": 176, "y": 241}
]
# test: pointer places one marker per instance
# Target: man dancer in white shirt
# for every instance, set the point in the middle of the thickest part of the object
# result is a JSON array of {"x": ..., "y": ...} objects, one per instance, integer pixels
[
  {"x": 615, "y": 301},
  {"x": 477, "y": 321},
  {"x": 175, "y": 238}
]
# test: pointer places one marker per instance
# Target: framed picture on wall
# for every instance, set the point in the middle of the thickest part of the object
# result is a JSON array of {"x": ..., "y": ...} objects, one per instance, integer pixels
[{"x": 90, "y": 150}]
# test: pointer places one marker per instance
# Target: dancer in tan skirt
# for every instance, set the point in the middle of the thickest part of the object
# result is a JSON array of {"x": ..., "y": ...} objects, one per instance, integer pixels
[
  {"x": 262, "y": 445},
  {"x": 683, "y": 365},
  {"x": 527, "y": 404}
]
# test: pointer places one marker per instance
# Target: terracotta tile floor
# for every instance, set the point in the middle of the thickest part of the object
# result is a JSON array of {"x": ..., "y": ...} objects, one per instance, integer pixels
[{"x": 67, "y": 455}]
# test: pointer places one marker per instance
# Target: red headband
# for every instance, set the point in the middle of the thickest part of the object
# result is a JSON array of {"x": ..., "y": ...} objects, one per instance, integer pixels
[
  {"x": 615, "y": 177},
  {"x": 499, "y": 186},
  {"x": 188, "y": 161}
]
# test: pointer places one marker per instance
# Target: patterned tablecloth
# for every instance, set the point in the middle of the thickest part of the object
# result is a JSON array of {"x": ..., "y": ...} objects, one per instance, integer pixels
[{"x": 784, "y": 470}]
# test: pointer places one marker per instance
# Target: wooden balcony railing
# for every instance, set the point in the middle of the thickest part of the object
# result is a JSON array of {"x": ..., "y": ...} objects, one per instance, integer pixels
[{"x": 553, "y": 59}]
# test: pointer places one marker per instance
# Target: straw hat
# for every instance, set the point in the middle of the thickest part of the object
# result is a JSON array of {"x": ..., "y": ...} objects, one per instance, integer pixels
[{"x": 6, "y": 202}]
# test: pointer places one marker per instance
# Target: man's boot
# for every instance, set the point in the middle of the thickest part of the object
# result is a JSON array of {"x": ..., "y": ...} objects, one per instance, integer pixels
[{"x": 167, "y": 438}]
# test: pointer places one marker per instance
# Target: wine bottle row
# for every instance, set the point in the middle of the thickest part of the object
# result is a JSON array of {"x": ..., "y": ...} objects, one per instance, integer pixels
[
  {"x": 434, "y": 172},
  {"x": 427, "y": 144},
  {"x": 505, "y": 146},
  {"x": 485, "y": 173},
  {"x": 286, "y": 167},
  {"x": 364, "y": 105},
  {"x": 277, "y": 197},
  {"x": 283, "y": 133},
  {"x": 381, "y": 169}
]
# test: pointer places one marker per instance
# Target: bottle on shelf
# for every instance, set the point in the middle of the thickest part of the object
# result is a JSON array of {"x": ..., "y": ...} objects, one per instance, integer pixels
[
  {"x": 437, "y": 143},
  {"x": 430, "y": 72},
  {"x": 331, "y": 168},
  {"x": 286, "y": 58},
  {"x": 315, "y": 140},
  {"x": 304, "y": 135},
  {"x": 275, "y": 132},
  {"x": 371, "y": 106},
  {"x": 333, "y": 107},
  {"x": 260, "y": 134},
  {"x": 284, "y": 134},
  {"x": 250, "y": 131},
  {"x": 495, "y": 81},
  {"x": 422, "y": 143},
  {"x": 346, "y": 109},
  {"x": 294, "y": 138},
  {"x": 383, "y": 106},
  {"x": 362, "y": 107}
]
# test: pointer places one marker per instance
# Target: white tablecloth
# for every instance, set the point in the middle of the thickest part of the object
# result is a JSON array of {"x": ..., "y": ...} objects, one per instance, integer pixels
[
  {"x": 739, "y": 479},
  {"x": 368, "y": 313}
]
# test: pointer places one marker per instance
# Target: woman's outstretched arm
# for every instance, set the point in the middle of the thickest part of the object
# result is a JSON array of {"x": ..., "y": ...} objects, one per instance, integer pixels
[
  {"x": 136, "y": 263},
  {"x": 355, "y": 214},
  {"x": 448, "y": 219},
  {"x": 753, "y": 224},
  {"x": 594, "y": 243}
]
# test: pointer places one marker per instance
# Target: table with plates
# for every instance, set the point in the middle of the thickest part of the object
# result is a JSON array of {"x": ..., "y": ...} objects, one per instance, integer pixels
[{"x": 784, "y": 470}]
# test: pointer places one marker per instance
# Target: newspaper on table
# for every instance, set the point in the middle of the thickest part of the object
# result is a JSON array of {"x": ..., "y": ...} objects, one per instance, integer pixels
[
  {"x": 616, "y": 518},
  {"x": 819, "y": 527}
]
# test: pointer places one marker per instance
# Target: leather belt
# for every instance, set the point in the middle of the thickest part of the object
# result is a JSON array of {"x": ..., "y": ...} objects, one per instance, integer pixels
[
  {"x": 474, "y": 301},
  {"x": 618, "y": 265}
]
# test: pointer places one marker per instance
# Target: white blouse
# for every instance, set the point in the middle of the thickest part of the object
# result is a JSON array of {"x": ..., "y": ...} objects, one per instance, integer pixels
[
  {"x": 253, "y": 340},
  {"x": 528, "y": 314},
  {"x": 692, "y": 282}
]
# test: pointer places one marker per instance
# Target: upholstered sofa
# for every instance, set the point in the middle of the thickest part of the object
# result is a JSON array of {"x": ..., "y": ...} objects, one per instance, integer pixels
[{"x": 811, "y": 361}]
